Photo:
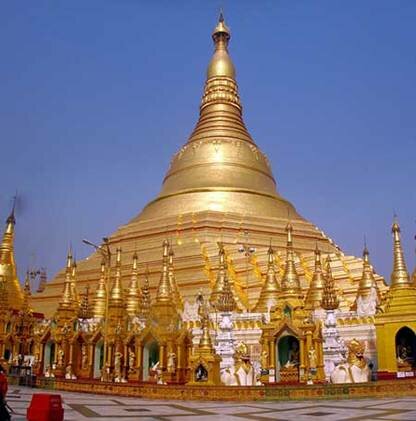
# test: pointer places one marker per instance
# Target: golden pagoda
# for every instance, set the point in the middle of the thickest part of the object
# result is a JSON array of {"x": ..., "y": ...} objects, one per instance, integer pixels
[
  {"x": 396, "y": 323},
  {"x": 219, "y": 187}
]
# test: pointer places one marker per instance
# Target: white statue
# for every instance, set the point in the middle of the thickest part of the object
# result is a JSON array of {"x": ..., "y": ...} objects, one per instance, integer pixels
[
  {"x": 367, "y": 306},
  {"x": 356, "y": 369}
]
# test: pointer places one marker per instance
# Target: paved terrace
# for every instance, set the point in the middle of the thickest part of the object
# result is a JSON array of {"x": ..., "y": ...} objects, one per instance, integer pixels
[{"x": 82, "y": 406}]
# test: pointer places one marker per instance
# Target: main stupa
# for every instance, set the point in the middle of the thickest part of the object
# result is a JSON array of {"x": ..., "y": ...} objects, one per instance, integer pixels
[{"x": 219, "y": 188}]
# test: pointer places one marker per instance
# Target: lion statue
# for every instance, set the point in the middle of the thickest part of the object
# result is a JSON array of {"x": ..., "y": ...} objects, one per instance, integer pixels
[
  {"x": 242, "y": 373},
  {"x": 356, "y": 369}
]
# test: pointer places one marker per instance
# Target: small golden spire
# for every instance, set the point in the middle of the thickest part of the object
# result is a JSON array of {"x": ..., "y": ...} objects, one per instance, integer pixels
[
  {"x": 367, "y": 281},
  {"x": 221, "y": 275},
  {"x": 329, "y": 296},
  {"x": 164, "y": 293},
  {"x": 8, "y": 270},
  {"x": 116, "y": 295},
  {"x": 66, "y": 300},
  {"x": 400, "y": 276},
  {"x": 177, "y": 298},
  {"x": 205, "y": 343},
  {"x": 100, "y": 294},
  {"x": 74, "y": 290},
  {"x": 133, "y": 294},
  {"x": 290, "y": 280},
  {"x": 270, "y": 291},
  {"x": 146, "y": 301},
  {"x": 314, "y": 295}
]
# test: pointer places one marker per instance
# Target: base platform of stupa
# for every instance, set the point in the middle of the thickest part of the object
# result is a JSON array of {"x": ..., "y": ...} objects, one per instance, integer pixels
[{"x": 275, "y": 392}]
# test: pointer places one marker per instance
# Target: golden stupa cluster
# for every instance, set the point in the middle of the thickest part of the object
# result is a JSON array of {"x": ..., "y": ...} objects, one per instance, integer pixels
[{"x": 231, "y": 244}]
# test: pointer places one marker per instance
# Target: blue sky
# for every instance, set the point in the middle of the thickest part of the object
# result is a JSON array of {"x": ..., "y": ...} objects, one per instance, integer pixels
[{"x": 97, "y": 95}]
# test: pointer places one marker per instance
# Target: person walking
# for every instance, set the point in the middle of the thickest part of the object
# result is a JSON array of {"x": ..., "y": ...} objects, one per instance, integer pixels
[{"x": 4, "y": 413}]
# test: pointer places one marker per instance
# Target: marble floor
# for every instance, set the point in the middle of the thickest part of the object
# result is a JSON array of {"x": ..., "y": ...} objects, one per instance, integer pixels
[{"x": 82, "y": 407}]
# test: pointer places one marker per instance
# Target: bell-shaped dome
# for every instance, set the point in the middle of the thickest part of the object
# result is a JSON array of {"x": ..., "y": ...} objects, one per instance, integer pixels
[{"x": 220, "y": 168}]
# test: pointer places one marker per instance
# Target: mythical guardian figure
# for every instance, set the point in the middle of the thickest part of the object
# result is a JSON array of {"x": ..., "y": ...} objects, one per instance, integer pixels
[
  {"x": 356, "y": 369},
  {"x": 243, "y": 373}
]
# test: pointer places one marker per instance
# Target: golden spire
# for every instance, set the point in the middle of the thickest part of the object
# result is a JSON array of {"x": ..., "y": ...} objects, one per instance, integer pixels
[
  {"x": 205, "y": 343},
  {"x": 133, "y": 294},
  {"x": 84, "y": 308},
  {"x": 220, "y": 144},
  {"x": 117, "y": 295},
  {"x": 290, "y": 280},
  {"x": 164, "y": 293},
  {"x": 74, "y": 291},
  {"x": 177, "y": 298},
  {"x": 100, "y": 294},
  {"x": 66, "y": 300},
  {"x": 314, "y": 296},
  {"x": 367, "y": 280},
  {"x": 8, "y": 271},
  {"x": 146, "y": 301},
  {"x": 329, "y": 296},
  {"x": 400, "y": 276},
  {"x": 221, "y": 275},
  {"x": 270, "y": 291}
]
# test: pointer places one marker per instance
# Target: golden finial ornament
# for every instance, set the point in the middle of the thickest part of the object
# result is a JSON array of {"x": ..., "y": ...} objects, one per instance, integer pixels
[
  {"x": 164, "y": 293},
  {"x": 400, "y": 276},
  {"x": 290, "y": 279},
  {"x": 270, "y": 290},
  {"x": 314, "y": 296},
  {"x": 329, "y": 296},
  {"x": 133, "y": 293},
  {"x": 176, "y": 295},
  {"x": 84, "y": 308},
  {"x": 8, "y": 270},
  {"x": 225, "y": 301},
  {"x": 145, "y": 301},
  {"x": 100, "y": 294},
  {"x": 117, "y": 294}
]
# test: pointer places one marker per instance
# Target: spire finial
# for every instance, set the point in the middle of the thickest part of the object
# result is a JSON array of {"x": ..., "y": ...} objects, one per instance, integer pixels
[
  {"x": 221, "y": 15},
  {"x": 399, "y": 276}
]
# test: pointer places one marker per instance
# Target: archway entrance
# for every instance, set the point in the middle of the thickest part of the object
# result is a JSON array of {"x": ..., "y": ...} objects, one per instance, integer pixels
[
  {"x": 288, "y": 358},
  {"x": 405, "y": 349},
  {"x": 49, "y": 355},
  {"x": 150, "y": 357},
  {"x": 98, "y": 358}
]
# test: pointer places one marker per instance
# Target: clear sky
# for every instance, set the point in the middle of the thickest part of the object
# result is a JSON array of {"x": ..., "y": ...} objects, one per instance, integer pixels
[{"x": 97, "y": 95}]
